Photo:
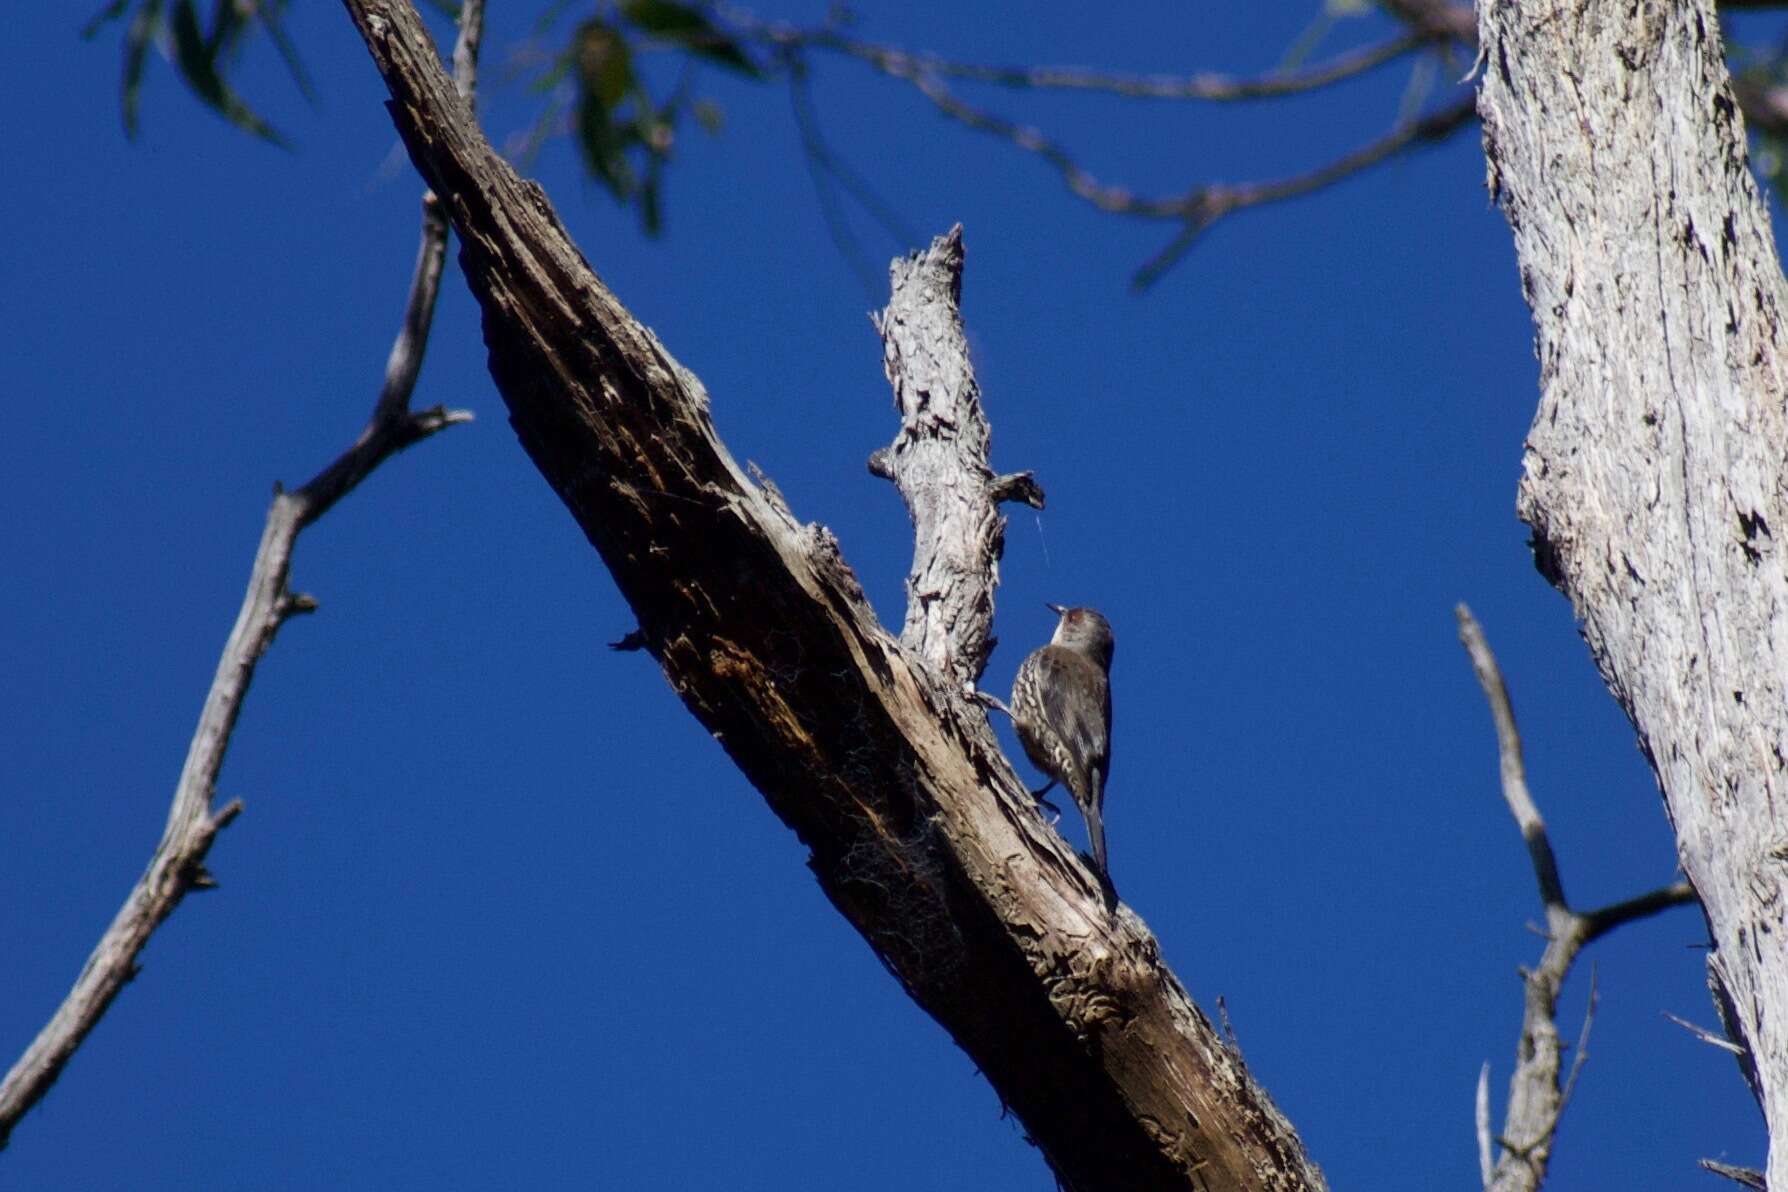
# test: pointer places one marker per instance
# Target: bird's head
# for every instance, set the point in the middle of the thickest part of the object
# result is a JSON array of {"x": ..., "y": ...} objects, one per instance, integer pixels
[{"x": 1086, "y": 630}]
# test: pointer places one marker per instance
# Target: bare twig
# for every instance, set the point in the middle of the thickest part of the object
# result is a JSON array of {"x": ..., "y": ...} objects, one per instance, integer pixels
[
  {"x": 1202, "y": 206},
  {"x": 177, "y": 866},
  {"x": 465, "y": 49},
  {"x": 1195, "y": 209},
  {"x": 894, "y": 61},
  {"x": 1206, "y": 205},
  {"x": 1080, "y": 182},
  {"x": 826, "y": 168},
  {"x": 1536, "y": 1097},
  {"x": 1481, "y": 1119},
  {"x": 1209, "y": 86},
  {"x": 1581, "y": 1056},
  {"x": 1446, "y": 26},
  {"x": 1748, "y": 1177},
  {"x": 1435, "y": 126},
  {"x": 1705, "y": 1035},
  {"x": 1601, "y": 922},
  {"x": 1514, "y": 768}
]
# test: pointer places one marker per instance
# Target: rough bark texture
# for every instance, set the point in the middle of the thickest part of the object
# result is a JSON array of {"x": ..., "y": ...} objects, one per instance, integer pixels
[
  {"x": 1654, "y": 471},
  {"x": 939, "y": 462},
  {"x": 920, "y": 832}
]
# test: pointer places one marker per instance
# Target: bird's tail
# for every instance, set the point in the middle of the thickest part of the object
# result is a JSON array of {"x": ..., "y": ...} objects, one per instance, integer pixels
[{"x": 1093, "y": 809}]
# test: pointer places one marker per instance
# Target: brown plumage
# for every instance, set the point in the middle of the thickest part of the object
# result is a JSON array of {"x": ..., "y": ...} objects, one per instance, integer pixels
[{"x": 1061, "y": 707}]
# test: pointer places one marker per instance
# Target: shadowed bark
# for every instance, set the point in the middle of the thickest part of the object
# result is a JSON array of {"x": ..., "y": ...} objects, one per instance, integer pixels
[{"x": 920, "y": 832}]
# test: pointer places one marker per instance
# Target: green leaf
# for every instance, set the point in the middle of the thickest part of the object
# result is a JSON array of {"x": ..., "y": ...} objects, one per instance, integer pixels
[
  {"x": 668, "y": 19},
  {"x": 144, "y": 27},
  {"x": 687, "y": 26},
  {"x": 604, "y": 63},
  {"x": 271, "y": 16},
  {"x": 226, "y": 28},
  {"x": 197, "y": 61},
  {"x": 651, "y": 212},
  {"x": 604, "y": 145},
  {"x": 104, "y": 16},
  {"x": 1307, "y": 41}
]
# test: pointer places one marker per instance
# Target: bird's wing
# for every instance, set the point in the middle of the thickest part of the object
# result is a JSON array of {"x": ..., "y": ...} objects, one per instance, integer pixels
[{"x": 1083, "y": 723}]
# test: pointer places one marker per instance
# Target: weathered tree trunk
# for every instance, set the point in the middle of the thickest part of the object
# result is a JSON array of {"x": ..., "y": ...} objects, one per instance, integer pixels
[
  {"x": 1654, "y": 471},
  {"x": 920, "y": 832}
]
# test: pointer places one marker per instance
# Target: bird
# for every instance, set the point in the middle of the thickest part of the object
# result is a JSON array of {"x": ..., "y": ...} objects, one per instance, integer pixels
[{"x": 1061, "y": 707}]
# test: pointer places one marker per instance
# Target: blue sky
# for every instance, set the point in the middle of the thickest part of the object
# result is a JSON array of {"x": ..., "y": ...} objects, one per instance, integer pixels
[{"x": 500, "y": 914}]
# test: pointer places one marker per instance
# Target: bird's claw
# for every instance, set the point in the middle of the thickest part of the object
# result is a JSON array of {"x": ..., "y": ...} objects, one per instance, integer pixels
[{"x": 976, "y": 696}]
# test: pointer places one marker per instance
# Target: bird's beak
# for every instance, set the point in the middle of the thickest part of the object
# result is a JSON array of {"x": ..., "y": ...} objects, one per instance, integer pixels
[{"x": 1057, "y": 609}]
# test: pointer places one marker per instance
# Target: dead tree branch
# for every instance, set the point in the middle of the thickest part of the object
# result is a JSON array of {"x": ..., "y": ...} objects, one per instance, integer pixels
[
  {"x": 920, "y": 832},
  {"x": 1536, "y": 1098},
  {"x": 939, "y": 461},
  {"x": 178, "y": 864}
]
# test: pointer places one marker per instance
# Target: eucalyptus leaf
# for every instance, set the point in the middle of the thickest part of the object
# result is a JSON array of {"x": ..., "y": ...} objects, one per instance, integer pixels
[
  {"x": 604, "y": 62},
  {"x": 144, "y": 28},
  {"x": 604, "y": 145},
  {"x": 195, "y": 57},
  {"x": 687, "y": 26},
  {"x": 104, "y": 16}
]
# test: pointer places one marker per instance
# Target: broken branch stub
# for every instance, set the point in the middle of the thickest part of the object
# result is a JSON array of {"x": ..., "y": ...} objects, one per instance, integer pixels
[{"x": 939, "y": 462}]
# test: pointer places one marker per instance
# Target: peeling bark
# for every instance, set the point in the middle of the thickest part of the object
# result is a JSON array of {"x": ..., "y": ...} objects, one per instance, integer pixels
[
  {"x": 1654, "y": 473},
  {"x": 939, "y": 461}
]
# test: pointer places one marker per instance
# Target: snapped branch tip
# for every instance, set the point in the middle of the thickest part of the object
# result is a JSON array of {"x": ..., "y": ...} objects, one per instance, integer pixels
[
  {"x": 427, "y": 422},
  {"x": 294, "y": 604},
  {"x": 633, "y": 640},
  {"x": 1746, "y": 1177},
  {"x": 1017, "y": 486},
  {"x": 1705, "y": 1035}
]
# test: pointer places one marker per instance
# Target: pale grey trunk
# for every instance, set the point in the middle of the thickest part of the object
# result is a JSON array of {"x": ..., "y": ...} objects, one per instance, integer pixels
[{"x": 1654, "y": 472}]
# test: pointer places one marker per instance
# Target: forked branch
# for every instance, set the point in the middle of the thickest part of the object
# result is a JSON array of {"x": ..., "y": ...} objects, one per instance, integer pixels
[
  {"x": 178, "y": 864},
  {"x": 1443, "y": 28},
  {"x": 1518, "y": 1159}
]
